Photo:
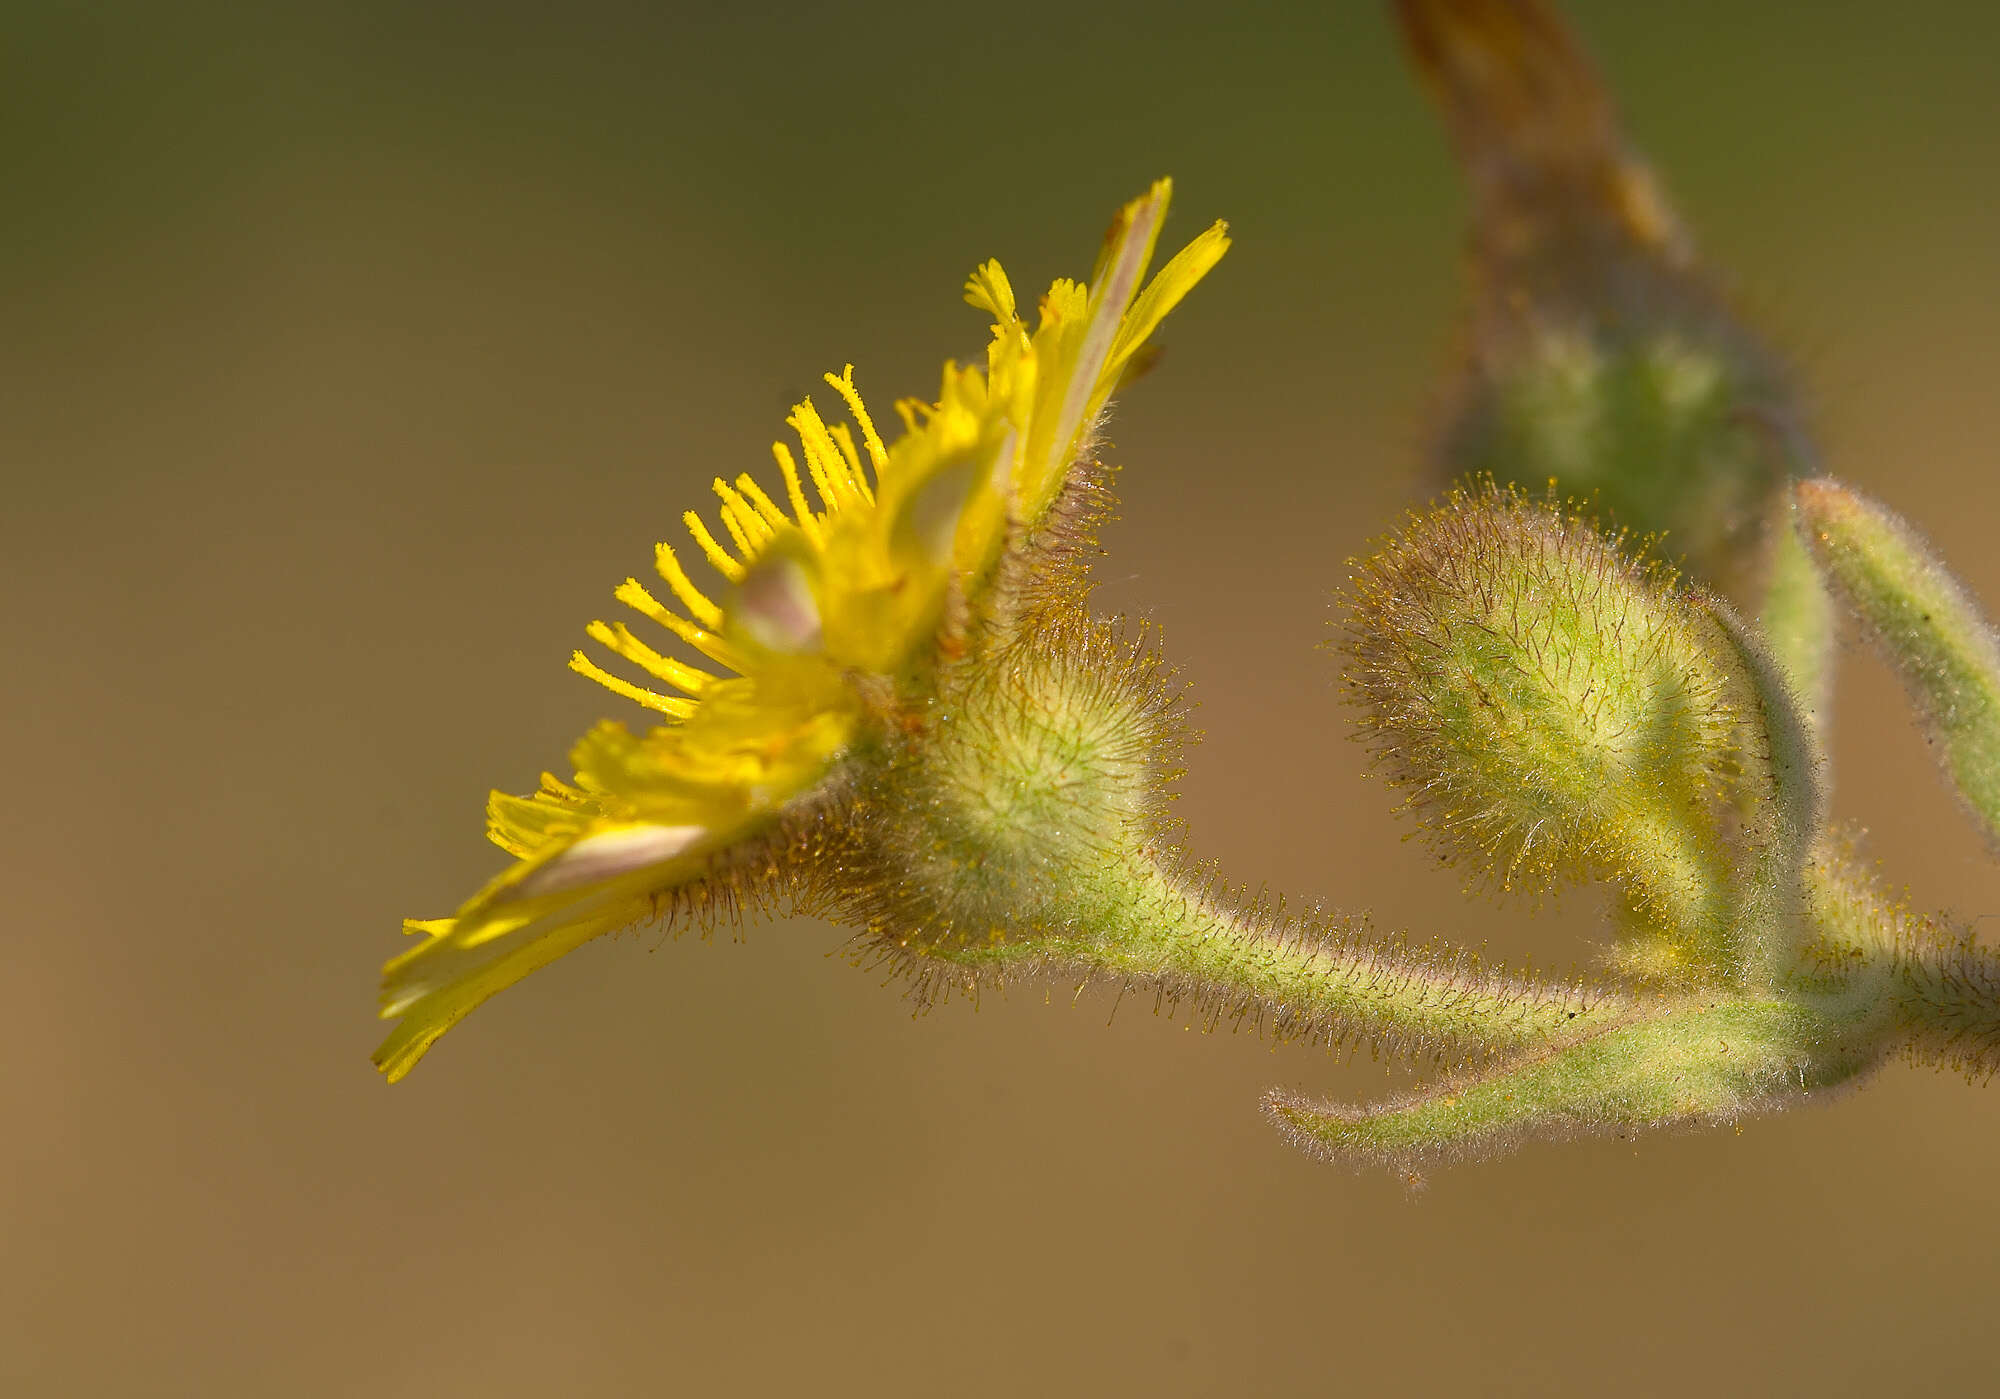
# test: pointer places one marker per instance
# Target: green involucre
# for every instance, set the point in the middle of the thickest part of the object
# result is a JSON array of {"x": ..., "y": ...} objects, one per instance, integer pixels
[{"x": 1004, "y": 809}]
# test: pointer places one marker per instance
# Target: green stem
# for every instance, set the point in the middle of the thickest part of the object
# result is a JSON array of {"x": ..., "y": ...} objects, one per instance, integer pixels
[
  {"x": 1797, "y": 621},
  {"x": 1947, "y": 997},
  {"x": 1942, "y": 991},
  {"x": 1678, "y": 877},
  {"x": 1322, "y": 980}
]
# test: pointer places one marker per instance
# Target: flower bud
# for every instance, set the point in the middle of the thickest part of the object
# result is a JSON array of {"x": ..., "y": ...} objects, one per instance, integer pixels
[{"x": 1553, "y": 708}]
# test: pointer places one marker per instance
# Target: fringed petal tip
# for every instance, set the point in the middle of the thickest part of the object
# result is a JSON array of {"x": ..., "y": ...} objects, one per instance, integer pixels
[{"x": 533, "y": 914}]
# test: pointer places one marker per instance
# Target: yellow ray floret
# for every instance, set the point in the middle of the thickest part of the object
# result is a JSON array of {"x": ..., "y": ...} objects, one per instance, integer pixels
[{"x": 814, "y": 598}]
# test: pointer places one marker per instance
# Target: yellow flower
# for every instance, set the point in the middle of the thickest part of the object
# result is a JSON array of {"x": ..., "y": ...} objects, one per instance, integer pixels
[{"x": 831, "y": 613}]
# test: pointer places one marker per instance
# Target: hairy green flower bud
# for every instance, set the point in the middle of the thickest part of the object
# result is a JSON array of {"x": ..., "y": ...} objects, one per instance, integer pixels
[{"x": 1554, "y": 708}]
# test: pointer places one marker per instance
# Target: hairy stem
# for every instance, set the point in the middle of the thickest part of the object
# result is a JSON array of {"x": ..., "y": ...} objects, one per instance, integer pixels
[
  {"x": 1798, "y": 625},
  {"x": 1947, "y": 996},
  {"x": 1316, "y": 978},
  {"x": 1943, "y": 989}
]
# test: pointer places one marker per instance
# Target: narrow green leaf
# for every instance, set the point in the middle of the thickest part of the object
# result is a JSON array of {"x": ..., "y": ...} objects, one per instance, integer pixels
[
  {"x": 1699, "y": 1062},
  {"x": 1784, "y": 805},
  {"x": 1926, "y": 625}
]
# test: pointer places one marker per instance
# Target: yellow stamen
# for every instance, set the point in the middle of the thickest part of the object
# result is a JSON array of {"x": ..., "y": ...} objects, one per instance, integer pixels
[
  {"x": 844, "y": 439},
  {"x": 766, "y": 507},
  {"x": 665, "y": 704},
  {"x": 742, "y": 518},
  {"x": 823, "y": 459},
  {"x": 795, "y": 492},
  {"x": 843, "y": 384},
  {"x": 668, "y": 566},
  {"x": 634, "y": 595},
  {"x": 728, "y": 566},
  {"x": 736, "y": 534},
  {"x": 618, "y": 640}
]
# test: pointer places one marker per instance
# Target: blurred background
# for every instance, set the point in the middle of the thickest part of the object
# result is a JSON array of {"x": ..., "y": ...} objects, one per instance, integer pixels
[{"x": 350, "y": 353}]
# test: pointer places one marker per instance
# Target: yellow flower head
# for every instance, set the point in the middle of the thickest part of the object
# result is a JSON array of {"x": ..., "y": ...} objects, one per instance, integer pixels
[{"x": 829, "y": 611}]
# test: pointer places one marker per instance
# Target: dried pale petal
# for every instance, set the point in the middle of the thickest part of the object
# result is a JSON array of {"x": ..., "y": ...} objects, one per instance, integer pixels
[
  {"x": 775, "y": 608},
  {"x": 607, "y": 854}
]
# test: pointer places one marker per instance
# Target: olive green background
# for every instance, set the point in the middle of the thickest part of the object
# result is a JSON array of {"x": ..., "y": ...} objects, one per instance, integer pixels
[{"x": 350, "y": 354}]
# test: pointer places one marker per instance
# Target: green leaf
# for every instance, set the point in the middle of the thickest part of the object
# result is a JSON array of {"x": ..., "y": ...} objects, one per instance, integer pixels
[
  {"x": 1925, "y": 624},
  {"x": 1698, "y": 1062}
]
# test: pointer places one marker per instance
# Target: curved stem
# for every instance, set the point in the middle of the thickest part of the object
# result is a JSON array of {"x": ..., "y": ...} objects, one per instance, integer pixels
[{"x": 1319, "y": 978}]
